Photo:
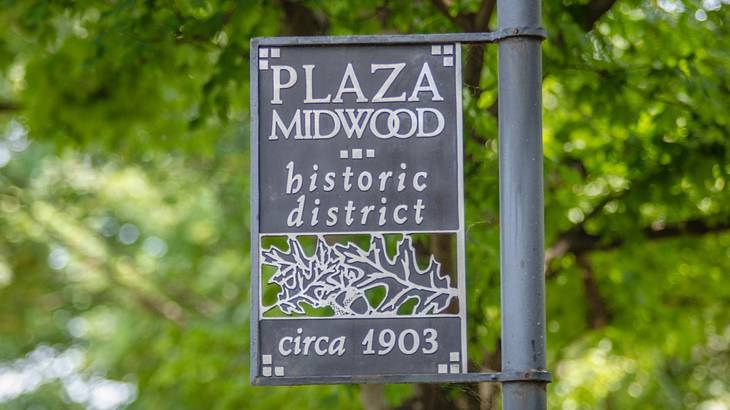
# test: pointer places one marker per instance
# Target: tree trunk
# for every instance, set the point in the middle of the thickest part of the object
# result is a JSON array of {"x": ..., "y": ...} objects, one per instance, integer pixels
[{"x": 372, "y": 397}]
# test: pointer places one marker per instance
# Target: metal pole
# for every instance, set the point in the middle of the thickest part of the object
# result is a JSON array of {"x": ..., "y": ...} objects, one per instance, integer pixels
[{"x": 521, "y": 206}]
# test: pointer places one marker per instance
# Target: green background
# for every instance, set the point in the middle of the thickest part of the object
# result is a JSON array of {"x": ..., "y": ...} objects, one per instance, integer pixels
[{"x": 124, "y": 187}]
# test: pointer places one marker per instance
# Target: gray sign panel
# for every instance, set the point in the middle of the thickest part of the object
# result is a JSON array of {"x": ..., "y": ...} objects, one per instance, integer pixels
[
  {"x": 341, "y": 347},
  {"x": 364, "y": 140}
]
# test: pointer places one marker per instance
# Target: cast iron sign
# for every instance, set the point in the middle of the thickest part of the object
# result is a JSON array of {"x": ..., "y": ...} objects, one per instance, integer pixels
[{"x": 356, "y": 154}]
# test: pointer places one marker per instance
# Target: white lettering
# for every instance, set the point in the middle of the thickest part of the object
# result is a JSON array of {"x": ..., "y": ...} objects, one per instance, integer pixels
[
  {"x": 425, "y": 74},
  {"x": 337, "y": 346},
  {"x": 400, "y": 220},
  {"x": 292, "y": 179},
  {"x": 417, "y": 185},
  {"x": 282, "y": 350},
  {"x": 329, "y": 182},
  {"x": 430, "y": 335},
  {"x": 380, "y": 94},
  {"x": 294, "y": 125},
  {"x": 402, "y": 341},
  {"x": 332, "y": 216},
  {"x": 364, "y": 181},
  {"x": 354, "y": 88},
  {"x": 317, "y": 122},
  {"x": 357, "y": 122},
  {"x": 319, "y": 350},
  {"x": 307, "y": 341},
  {"x": 421, "y": 121},
  {"x": 278, "y": 85},
  {"x": 295, "y": 216},
  {"x": 309, "y": 99},
  {"x": 418, "y": 207}
]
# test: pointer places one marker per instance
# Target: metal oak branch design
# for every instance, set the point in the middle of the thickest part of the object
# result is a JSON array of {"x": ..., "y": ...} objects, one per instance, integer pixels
[{"x": 338, "y": 276}]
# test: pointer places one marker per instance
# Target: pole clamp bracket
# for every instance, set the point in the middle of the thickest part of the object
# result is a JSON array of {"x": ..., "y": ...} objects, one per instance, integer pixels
[
  {"x": 511, "y": 32},
  {"x": 525, "y": 376}
]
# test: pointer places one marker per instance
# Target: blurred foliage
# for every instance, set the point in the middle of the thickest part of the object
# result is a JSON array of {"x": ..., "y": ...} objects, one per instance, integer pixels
[{"x": 124, "y": 187}]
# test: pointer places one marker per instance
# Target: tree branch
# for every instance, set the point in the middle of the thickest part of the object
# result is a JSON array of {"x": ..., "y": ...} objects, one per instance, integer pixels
[
  {"x": 471, "y": 22},
  {"x": 300, "y": 20},
  {"x": 568, "y": 240},
  {"x": 7, "y": 106},
  {"x": 460, "y": 20},
  {"x": 692, "y": 227},
  {"x": 586, "y": 15},
  {"x": 489, "y": 392},
  {"x": 597, "y": 314},
  {"x": 475, "y": 54},
  {"x": 372, "y": 397},
  {"x": 596, "y": 9},
  {"x": 577, "y": 241},
  {"x": 482, "y": 17},
  {"x": 429, "y": 397},
  {"x": 474, "y": 63}
]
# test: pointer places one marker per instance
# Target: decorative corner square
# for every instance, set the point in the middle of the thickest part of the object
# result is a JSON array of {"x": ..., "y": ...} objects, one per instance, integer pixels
[
  {"x": 266, "y": 359},
  {"x": 443, "y": 368},
  {"x": 266, "y": 371},
  {"x": 275, "y": 53},
  {"x": 356, "y": 153},
  {"x": 279, "y": 371},
  {"x": 448, "y": 49},
  {"x": 448, "y": 61},
  {"x": 344, "y": 154},
  {"x": 454, "y": 356},
  {"x": 436, "y": 50},
  {"x": 263, "y": 64},
  {"x": 454, "y": 368},
  {"x": 370, "y": 153},
  {"x": 263, "y": 52}
]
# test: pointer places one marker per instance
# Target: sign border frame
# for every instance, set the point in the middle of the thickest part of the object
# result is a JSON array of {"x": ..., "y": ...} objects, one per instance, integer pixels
[{"x": 255, "y": 242}]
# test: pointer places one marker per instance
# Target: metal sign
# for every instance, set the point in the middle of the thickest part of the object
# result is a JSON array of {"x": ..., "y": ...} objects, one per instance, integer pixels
[{"x": 356, "y": 154}]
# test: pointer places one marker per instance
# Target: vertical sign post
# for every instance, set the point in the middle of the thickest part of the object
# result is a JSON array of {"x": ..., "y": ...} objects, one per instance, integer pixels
[
  {"x": 521, "y": 205},
  {"x": 357, "y": 150}
]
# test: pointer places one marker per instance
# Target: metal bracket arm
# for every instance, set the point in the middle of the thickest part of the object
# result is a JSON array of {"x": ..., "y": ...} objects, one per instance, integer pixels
[
  {"x": 528, "y": 376},
  {"x": 538, "y": 376},
  {"x": 510, "y": 32},
  {"x": 467, "y": 38}
]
